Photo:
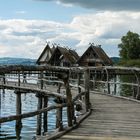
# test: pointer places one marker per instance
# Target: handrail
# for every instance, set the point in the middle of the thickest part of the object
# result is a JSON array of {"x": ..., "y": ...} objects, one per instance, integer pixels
[{"x": 30, "y": 114}]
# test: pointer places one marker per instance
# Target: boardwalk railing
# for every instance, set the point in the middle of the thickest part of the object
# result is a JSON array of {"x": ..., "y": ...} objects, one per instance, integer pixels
[
  {"x": 72, "y": 87},
  {"x": 35, "y": 80},
  {"x": 112, "y": 77}
]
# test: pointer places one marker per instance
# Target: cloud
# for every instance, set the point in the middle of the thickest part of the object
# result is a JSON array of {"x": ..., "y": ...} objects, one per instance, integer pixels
[
  {"x": 125, "y": 5},
  {"x": 27, "y": 38},
  {"x": 105, "y": 28}
]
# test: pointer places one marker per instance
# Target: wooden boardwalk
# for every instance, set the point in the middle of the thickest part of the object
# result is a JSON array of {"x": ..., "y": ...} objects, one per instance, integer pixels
[{"x": 112, "y": 119}]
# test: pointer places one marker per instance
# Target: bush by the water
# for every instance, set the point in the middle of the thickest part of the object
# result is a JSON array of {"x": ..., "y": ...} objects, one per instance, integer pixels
[{"x": 130, "y": 63}]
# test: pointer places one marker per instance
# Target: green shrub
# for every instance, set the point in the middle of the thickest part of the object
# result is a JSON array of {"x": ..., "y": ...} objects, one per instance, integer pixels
[{"x": 130, "y": 63}]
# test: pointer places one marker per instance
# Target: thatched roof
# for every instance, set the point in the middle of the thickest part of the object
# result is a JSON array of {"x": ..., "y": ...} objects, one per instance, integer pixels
[
  {"x": 101, "y": 56},
  {"x": 47, "y": 48},
  {"x": 68, "y": 54}
]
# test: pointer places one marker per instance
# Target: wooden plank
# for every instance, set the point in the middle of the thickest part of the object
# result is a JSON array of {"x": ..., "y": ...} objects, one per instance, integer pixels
[{"x": 112, "y": 118}]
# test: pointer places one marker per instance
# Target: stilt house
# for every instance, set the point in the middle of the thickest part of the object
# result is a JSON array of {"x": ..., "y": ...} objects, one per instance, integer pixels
[
  {"x": 94, "y": 56},
  {"x": 63, "y": 57}
]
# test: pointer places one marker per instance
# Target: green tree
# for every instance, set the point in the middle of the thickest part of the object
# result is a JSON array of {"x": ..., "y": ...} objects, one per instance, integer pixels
[{"x": 130, "y": 46}]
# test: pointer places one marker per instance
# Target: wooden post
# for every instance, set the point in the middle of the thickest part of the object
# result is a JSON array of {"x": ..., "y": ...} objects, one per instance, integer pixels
[
  {"x": 115, "y": 85},
  {"x": 87, "y": 98},
  {"x": 59, "y": 123},
  {"x": 18, "y": 112},
  {"x": 94, "y": 79},
  {"x": 41, "y": 81},
  {"x": 19, "y": 78},
  {"x": 70, "y": 107},
  {"x": 4, "y": 79},
  {"x": 4, "y": 82},
  {"x": 78, "y": 83},
  {"x": 18, "y": 102},
  {"x": 45, "y": 117},
  {"x": 70, "y": 111},
  {"x": 108, "y": 85},
  {"x": 136, "y": 91},
  {"x": 138, "y": 87},
  {"x": 39, "y": 117}
]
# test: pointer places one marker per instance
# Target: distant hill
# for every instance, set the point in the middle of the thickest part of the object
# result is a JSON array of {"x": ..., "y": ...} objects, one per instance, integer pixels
[
  {"x": 115, "y": 60},
  {"x": 28, "y": 61},
  {"x": 17, "y": 61}
]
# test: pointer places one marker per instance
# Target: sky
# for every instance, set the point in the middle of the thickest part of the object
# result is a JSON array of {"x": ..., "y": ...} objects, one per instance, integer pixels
[{"x": 26, "y": 25}]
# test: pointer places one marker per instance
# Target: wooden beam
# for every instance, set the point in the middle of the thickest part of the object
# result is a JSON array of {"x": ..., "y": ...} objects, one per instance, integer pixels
[
  {"x": 18, "y": 125},
  {"x": 39, "y": 117},
  {"x": 45, "y": 115},
  {"x": 87, "y": 85},
  {"x": 59, "y": 122},
  {"x": 30, "y": 114}
]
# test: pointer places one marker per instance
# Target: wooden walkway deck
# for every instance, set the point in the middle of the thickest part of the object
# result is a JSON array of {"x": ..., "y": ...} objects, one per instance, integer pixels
[{"x": 112, "y": 119}]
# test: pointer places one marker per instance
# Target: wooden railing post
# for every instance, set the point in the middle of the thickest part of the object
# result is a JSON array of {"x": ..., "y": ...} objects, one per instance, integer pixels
[
  {"x": 94, "y": 79},
  {"x": 115, "y": 85},
  {"x": 18, "y": 112},
  {"x": 39, "y": 117},
  {"x": 59, "y": 123},
  {"x": 4, "y": 79},
  {"x": 87, "y": 85},
  {"x": 4, "y": 82},
  {"x": 19, "y": 78},
  {"x": 138, "y": 91},
  {"x": 138, "y": 87},
  {"x": 45, "y": 117},
  {"x": 70, "y": 106},
  {"x": 40, "y": 100},
  {"x": 78, "y": 82},
  {"x": 41, "y": 81},
  {"x": 108, "y": 84}
]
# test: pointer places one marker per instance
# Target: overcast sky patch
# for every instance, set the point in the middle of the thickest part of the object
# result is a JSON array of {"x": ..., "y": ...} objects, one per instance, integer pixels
[{"x": 113, "y": 5}]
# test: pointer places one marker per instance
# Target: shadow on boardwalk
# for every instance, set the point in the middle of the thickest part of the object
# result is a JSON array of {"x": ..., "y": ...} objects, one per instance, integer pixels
[{"x": 112, "y": 119}]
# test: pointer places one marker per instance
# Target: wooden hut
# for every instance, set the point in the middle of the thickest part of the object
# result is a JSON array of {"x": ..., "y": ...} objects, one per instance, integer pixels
[
  {"x": 94, "y": 56},
  {"x": 63, "y": 57},
  {"x": 45, "y": 55}
]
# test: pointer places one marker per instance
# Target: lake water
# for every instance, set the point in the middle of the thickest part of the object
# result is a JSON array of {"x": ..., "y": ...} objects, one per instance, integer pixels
[{"x": 29, "y": 103}]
